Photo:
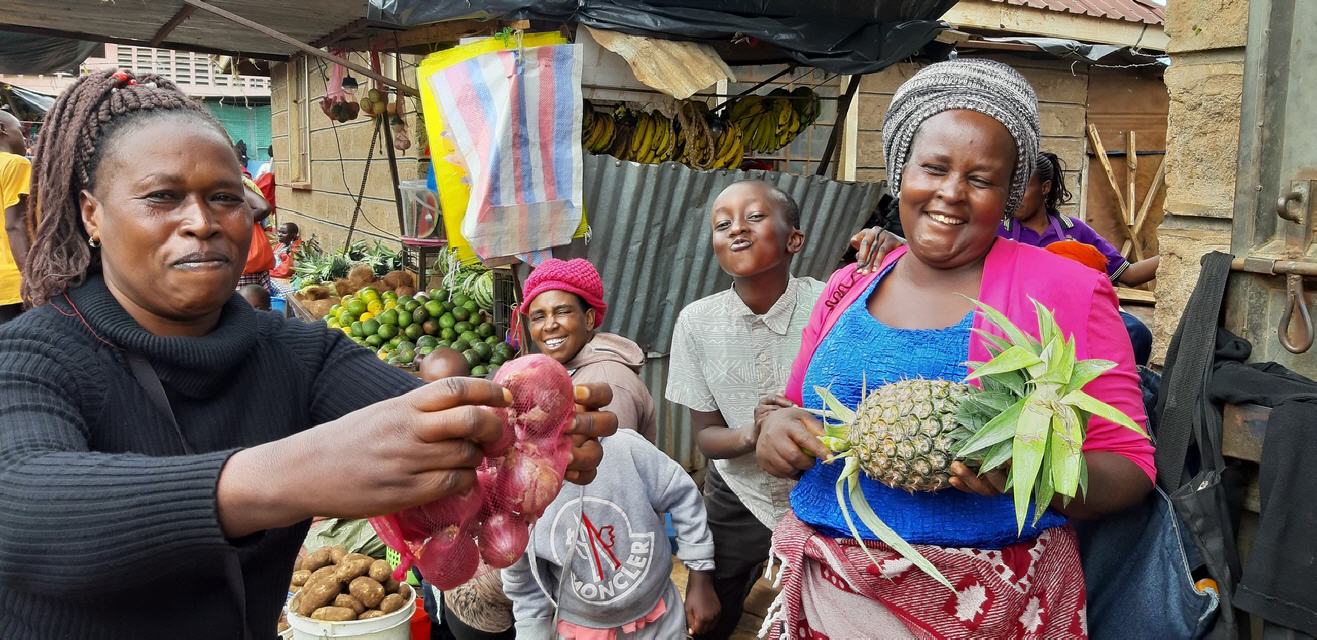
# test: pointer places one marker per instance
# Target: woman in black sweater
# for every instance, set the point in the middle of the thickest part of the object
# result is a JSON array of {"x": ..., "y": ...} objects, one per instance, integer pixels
[{"x": 162, "y": 445}]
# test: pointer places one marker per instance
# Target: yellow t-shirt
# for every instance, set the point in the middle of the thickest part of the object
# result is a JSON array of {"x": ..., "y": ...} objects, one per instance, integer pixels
[{"x": 15, "y": 181}]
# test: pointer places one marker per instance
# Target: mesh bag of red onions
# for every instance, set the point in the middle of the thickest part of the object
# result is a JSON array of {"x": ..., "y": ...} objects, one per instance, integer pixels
[{"x": 451, "y": 539}]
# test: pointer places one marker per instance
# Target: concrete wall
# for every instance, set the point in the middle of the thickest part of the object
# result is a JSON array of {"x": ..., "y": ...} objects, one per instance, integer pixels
[
  {"x": 1062, "y": 96},
  {"x": 323, "y": 206},
  {"x": 1205, "y": 82}
]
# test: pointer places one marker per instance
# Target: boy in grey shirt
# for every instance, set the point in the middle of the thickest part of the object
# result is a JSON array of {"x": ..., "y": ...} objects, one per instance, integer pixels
[{"x": 729, "y": 350}]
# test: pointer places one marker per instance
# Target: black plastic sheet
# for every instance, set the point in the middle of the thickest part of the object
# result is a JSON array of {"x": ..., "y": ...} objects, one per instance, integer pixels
[
  {"x": 27, "y": 54},
  {"x": 840, "y": 36}
]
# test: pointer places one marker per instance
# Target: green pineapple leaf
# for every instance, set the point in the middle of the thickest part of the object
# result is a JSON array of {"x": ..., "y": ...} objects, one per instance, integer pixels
[
  {"x": 1012, "y": 383},
  {"x": 1047, "y": 327},
  {"x": 1027, "y": 453},
  {"x": 998, "y": 455},
  {"x": 1062, "y": 362},
  {"x": 1084, "y": 402},
  {"x": 883, "y": 532},
  {"x": 850, "y": 476},
  {"x": 993, "y": 401},
  {"x": 1012, "y": 359},
  {"x": 1016, "y": 336},
  {"x": 1083, "y": 480},
  {"x": 838, "y": 410},
  {"x": 1085, "y": 372},
  {"x": 1000, "y": 429},
  {"x": 994, "y": 343},
  {"x": 1043, "y": 488},
  {"x": 1065, "y": 447}
]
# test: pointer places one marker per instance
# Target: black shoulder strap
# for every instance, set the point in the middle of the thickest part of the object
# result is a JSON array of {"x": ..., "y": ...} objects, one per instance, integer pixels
[
  {"x": 1188, "y": 364},
  {"x": 150, "y": 381}
]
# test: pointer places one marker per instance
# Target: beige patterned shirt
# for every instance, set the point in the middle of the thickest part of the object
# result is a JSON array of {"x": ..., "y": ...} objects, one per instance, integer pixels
[{"x": 724, "y": 358}]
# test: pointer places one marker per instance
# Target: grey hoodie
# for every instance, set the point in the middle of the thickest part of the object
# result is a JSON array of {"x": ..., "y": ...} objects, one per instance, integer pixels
[
  {"x": 617, "y": 361},
  {"x": 611, "y": 538}
]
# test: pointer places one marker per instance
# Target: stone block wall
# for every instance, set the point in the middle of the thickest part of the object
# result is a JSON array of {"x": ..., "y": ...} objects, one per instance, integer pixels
[
  {"x": 1205, "y": 82},
  {"x": 1063, "y": 99},
  {"x": 322, "y": 205}
]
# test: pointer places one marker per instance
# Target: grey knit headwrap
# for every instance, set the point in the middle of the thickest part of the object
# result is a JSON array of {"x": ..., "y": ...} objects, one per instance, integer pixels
[{"x": 986, "y": 86}]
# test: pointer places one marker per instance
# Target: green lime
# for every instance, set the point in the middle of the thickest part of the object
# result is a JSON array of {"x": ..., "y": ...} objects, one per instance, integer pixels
[
  {"x": 419, "y": 314},
  {"x": 443, "y": 345},
  {"x": 495, "y": 359},
  {"x": 413, "y": 331},
  {"x": 404, "y": 318},
  {"x": 460, "y": 345},
  {"x": 470, "y": 337},
  {"x": 462, "y": 314},
  {"x": 438, "y": 294},
  {"x": 395, "y": 341},
  {"x": 345, "y": 318},
  {"x": 374, "y": 340},
  {"x": 355, "y": 307},
  {"x": 492, "y": 340},
  {"x": 434, "y": 308},
  {"x": 504, "y": 350},
  {"x": 406, "y": 345},
  {"x": 426, "y": 341},
  {"x": 448, "y": 334},
  {"x": 472, "y": 358},
  {"x": 370, "y": 327},
  {"x": 405, "y": 300},
  {"x": 479, "y": 371},
  {"x": 472, "y": 307},
  {"x": 447, "y": 321},
  {"x": 424, "y": 351},
  {"x": 388, "y": 317},
  {"x": 334, "y": 311},
  {"x": 382, "y": 354},
  {"x": 483, "y": 349},
  {"x": 463, "y": 327},
  {"x": 485, "y": 330},
  {"x": 493, "y": 370},
  {"x": 460, "y": 300},
  {"x": 387, "y": 331},
  {"x": 355, "y": 328}
]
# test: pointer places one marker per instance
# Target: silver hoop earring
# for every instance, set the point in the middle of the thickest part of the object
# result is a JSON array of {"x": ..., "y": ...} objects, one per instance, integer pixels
[{"x": 93, "y": 243}]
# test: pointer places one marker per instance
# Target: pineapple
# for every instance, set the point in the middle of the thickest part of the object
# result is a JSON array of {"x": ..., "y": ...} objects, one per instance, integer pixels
[{"x": 1029, "y": 410}]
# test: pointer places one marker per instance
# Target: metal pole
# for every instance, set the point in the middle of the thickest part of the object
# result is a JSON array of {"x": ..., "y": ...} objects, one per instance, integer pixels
[
  {"x": 853, "y": 85},
  {"x": 294, "y": 42}
]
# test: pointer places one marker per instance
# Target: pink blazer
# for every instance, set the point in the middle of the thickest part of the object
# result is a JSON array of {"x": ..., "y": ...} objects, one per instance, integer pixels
[{"x": 1082, "y": 300}]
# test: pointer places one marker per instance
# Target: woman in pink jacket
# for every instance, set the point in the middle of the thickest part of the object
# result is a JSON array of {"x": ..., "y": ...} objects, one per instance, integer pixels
[{"x": 960, "y": 139}]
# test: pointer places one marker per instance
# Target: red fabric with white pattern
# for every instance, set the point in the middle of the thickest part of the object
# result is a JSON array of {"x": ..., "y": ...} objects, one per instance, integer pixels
[{"x": 1033, "y": 589}]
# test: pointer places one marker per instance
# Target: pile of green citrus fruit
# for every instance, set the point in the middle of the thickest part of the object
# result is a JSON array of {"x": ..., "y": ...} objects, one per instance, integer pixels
[{"x": 403, "y": 329}]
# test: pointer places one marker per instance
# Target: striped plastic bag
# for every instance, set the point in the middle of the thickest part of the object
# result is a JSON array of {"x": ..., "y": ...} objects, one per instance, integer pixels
[{"x": 515, "y": 119}]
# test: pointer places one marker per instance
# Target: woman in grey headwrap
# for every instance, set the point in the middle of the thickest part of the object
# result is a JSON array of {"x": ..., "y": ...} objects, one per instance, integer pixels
[{"x": 960, "y": 139}]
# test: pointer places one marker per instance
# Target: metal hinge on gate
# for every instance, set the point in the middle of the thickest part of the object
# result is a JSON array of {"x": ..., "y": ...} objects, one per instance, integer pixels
[{"x": 1295, "y": 205}]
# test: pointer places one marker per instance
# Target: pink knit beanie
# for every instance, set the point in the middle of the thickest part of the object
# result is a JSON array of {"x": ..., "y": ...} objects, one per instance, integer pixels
[{"x": 573, "y": 276}]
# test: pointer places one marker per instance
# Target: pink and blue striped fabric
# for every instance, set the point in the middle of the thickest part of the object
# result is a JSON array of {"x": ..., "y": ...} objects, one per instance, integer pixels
[{"x": 515, "y": 118}]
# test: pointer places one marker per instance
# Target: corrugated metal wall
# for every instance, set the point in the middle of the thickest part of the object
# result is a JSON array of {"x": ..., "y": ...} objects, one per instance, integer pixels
[
  {"x": 651, "y": 244},
  {"x": 651, "y": 236}
]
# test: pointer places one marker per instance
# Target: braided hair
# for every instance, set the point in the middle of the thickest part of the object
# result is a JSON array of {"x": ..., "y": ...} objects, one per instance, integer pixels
[
  {"x": 81, "y": 125},
  {"x": 1050, "y": 170}
]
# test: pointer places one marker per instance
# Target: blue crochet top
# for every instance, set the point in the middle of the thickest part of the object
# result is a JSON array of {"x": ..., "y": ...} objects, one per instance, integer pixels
[{"x": 860, "y": 349}]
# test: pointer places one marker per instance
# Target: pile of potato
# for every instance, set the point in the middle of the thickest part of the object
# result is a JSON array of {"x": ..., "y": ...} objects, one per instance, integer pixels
[{"x": 333, "y": 585}]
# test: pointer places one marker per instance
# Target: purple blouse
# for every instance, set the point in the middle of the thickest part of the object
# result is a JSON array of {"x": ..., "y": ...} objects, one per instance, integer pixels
[{"x": 1062, "y": 227}]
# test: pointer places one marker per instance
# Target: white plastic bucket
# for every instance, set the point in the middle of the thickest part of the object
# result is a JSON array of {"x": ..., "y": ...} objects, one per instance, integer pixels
[{"x": 395, "y": 626}]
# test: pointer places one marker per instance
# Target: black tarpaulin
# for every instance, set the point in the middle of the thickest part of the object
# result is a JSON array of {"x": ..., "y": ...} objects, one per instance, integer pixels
[
  {"x": 27, "y": 54},
  {"x": 840, "y": 36}
]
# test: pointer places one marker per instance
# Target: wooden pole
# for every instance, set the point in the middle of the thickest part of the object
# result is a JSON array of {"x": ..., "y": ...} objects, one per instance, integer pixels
[
  {"x": 843, "y": 107},
  {"x": 1101, "y": 154},
  {"x": 168, "y": 28},
  {"x": 1131, "y": 174},
  {"x": 302, "y": 46}
]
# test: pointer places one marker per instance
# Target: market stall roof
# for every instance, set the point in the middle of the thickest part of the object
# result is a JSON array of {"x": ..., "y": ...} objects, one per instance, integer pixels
[
  {"x": 28, "y": 54},
  {"x": 841, "y": 36},
  {"x": 182, "y": 25},
  {"x": 38, "y": 102}
]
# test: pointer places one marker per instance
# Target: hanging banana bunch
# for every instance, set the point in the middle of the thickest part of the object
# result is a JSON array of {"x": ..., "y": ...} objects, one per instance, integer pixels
[
  {"x": 597, "y": 130},
  {"x": 698, "y": 144},
  {"x": 730, "y": 146},
  {"x": 769, "y": 123}
]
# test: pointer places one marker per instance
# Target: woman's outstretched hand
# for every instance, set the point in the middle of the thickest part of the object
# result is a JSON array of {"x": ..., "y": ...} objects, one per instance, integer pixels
[
  {"x": 788, "y": 438},
  {"x": 405, "y": 451},
  {"x": 591, "y": 425}
]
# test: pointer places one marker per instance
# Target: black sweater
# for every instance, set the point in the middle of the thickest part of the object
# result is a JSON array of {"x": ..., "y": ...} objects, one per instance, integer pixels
[{"x": 107, "y": 529}]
